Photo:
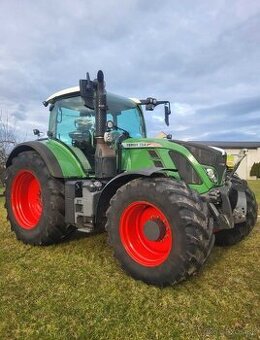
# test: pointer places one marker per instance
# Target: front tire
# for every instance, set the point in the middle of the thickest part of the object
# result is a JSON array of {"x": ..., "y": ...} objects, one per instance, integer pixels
[
  {"x": 229, "y": 237},
  {"x": 160, "y": 230},
  {"x": 34, "y": 201}
]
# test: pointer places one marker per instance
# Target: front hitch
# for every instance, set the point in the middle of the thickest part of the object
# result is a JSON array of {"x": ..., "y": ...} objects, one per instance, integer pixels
[
  {"x": 225, "y": 213},
  {"x": 220, "y": 207}
]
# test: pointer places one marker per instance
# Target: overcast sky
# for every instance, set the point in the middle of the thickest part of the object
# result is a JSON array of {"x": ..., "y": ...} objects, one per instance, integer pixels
[{"x": 203, "y": 56}]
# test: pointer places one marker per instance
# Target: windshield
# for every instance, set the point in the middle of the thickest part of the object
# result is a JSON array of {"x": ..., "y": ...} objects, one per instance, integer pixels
[{"x": 69, "y": 118}]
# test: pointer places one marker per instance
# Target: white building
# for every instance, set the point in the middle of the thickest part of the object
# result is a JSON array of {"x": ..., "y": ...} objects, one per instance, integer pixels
[{"x": 234, "y": 148}]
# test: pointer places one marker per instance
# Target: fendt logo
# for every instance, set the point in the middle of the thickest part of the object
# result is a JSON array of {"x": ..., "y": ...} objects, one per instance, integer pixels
[{"x": 141, "y": 145}]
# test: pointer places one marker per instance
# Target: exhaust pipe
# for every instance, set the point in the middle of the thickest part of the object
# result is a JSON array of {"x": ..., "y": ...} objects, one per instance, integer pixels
[
  {"x": 94, "y": 95},
  {"x": 101, "y": 106}
]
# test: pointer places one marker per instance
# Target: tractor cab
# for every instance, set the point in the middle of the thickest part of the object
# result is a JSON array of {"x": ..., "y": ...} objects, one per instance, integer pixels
[
  {"x": 68, "y": 115},
  {"x": 74, "y": 124}
]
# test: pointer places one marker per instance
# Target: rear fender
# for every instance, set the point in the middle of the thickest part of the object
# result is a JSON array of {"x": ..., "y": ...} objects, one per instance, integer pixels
[{"x": 61, "y": 161}]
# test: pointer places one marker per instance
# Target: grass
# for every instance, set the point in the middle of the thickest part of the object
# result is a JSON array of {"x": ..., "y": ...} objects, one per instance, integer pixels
[{"x": 77, "y": 290}]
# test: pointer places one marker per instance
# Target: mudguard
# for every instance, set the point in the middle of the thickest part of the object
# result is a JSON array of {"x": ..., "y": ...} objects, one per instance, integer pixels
[
  {"x": 60, "y": 160},
  {"x": 111, "y": 187}
]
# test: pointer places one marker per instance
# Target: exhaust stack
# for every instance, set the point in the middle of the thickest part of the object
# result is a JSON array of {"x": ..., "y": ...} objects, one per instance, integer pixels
[{"x": 94, "y": 95}]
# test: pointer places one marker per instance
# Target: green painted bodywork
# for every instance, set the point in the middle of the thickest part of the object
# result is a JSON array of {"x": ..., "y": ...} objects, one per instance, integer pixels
[
  {"x": 137, "y": 158},
  {"x": 71, "y": 165}
]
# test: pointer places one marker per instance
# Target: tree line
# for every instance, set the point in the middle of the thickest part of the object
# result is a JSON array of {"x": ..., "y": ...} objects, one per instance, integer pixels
[
  {"x": 8, "y": 140},
  {"x": 255, "y": 170}
]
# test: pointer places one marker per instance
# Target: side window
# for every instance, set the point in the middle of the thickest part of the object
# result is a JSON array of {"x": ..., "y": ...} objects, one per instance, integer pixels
[
  {"x": 110, "y": 117},
  {"x": 65, "y": 123},
  {"x": 130, "y": 121}
]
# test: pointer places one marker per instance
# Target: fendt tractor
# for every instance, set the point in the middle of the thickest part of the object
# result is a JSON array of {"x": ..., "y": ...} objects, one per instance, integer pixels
[{"x": 163, "y": 202}]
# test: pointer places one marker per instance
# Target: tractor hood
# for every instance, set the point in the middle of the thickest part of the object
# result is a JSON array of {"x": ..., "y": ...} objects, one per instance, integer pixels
[
  {"x": 204, "y": 154},
  {"x": 194, "y": 161}
]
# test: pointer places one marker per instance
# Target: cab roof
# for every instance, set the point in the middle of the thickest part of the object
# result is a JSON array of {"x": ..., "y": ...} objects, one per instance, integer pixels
[{"x": 74, "y": 91}]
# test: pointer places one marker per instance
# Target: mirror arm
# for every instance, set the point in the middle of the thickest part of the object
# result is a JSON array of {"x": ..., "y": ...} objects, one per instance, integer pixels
[{"x": 150, "y": 103}]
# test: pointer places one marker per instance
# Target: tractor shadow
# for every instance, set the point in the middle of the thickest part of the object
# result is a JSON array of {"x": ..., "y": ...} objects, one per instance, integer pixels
[{"x": 76, "y": 235}]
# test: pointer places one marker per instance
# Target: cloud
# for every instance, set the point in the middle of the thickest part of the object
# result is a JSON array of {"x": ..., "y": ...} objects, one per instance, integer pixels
[
  {"x": 203, "y": 57},
  {"x": 234, "y": 109},
  {"x": 183, "y": 109}
]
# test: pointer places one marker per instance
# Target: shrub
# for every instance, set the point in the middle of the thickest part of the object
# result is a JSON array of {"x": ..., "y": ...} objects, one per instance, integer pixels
[{"x": 255, "y": 170}]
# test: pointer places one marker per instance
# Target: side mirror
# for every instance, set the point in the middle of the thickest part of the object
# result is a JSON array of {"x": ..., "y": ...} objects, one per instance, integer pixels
[
  {"x": 37, "y": 133},
  {"x": 87, "y": 90},
  {"x": 150, "y": 103},
  {"x": 167, "y": 112}
]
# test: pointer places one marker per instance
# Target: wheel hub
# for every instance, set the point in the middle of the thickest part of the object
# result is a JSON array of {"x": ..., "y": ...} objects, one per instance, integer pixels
[
  {"x": 146, "y": 234},
  {"x": 154, "y": 230},
  {"x": 26, "y": 199}
]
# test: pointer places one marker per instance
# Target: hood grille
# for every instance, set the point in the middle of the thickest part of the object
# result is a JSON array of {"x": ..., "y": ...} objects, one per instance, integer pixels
[{"x": 207, "y": 156}]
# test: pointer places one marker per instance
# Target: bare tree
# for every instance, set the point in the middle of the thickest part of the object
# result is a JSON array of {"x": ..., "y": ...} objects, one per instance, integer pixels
[{"x": 7, "y": 140}]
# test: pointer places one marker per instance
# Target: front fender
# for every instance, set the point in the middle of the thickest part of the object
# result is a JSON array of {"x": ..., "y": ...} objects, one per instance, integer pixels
[{"x": 115, "y": 183}]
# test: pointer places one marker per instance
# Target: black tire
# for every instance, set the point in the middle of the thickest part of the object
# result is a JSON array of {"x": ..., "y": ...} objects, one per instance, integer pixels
[
  {"x": 49, "y": 227},
  {"x": 187, "y": 217},
  {"x": 230, "y": 237}
]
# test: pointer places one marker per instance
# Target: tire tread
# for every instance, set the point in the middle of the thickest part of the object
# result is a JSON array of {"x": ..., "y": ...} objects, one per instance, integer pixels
[{"x": 196, "y": 225}]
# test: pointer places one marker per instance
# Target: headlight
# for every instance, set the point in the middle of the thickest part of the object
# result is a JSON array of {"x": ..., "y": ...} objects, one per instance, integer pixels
[{"x": 212, "y": 174}]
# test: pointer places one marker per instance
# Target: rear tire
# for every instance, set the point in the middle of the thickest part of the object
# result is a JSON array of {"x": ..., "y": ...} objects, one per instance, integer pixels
[
  {"x": 34, "y": 201},
  {"x": 229, "y": 237},
  {"x": 160, "y": 230}
]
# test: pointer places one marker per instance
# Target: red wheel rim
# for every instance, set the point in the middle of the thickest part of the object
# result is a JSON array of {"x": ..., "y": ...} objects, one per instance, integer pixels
[
  {"x": 26, "y": 199},
  {"x": 138, "y": 219}
]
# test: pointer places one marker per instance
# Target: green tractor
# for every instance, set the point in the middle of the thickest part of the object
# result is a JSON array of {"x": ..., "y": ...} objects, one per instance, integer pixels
[{"x": 162, "y": 202}]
